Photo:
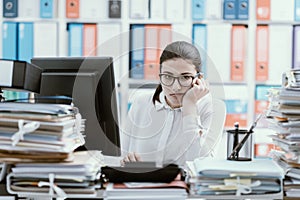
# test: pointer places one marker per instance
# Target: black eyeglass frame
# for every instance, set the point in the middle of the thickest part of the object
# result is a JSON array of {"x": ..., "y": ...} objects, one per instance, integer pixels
[{"x": 199, "y": 74}]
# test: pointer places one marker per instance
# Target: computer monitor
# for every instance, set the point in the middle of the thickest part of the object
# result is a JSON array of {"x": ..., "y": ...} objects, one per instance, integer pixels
[{"x": 90, "y": 82}]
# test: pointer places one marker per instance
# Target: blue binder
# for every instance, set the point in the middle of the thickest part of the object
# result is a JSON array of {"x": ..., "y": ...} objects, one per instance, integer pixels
[
  {"x": 137, "y": 51},
  {"x": 199, "y": 40},
  {"x": 198, "y": 9},
  {"x": 25, "y": 41},
  {"x": 75, "y": 39},
  {"x": 9, "y": 40},
  {"x": 236, "y": 106},
  {"x": 25, "y": 47},
  {"x": 46, "y": 8},
  {"x": 9, "y": 43},
  {"x": 230, "y": 9},
  {"x": 243, "y": 9},
  {"x": 10, "y": 8},
  {"x": 297, "y": 10}
]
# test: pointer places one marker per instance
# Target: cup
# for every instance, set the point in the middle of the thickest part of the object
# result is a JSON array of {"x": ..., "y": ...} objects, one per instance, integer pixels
[{"x": 234, "y": 137}]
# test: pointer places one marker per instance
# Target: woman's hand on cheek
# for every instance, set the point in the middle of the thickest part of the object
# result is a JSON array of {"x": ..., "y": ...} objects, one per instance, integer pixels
[{"x": 198, "y": 90}]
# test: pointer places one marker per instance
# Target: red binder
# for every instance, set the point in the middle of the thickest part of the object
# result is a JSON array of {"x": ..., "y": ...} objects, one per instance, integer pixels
[
  {"x": 89, "y": 40},
  {"x": 238, "y": 52},
  {"x": 262, "y": 53},
  {"x": 263, "y": 9},
  {"x": 72, "y": 8}
]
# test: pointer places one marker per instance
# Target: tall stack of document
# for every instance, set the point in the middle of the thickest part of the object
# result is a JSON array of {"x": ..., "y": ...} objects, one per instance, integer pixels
[
  {"x": 77, "y": 178},
  {"x": 220, "y": 178},
  {"x": 36, "y": 131},
  {"x": 284, "y": 115}
]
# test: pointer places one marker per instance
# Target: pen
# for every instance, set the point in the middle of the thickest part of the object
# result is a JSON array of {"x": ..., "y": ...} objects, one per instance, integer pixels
[
  {"x": 236, "y": 137},
  {"x": 240, "y": 145}
]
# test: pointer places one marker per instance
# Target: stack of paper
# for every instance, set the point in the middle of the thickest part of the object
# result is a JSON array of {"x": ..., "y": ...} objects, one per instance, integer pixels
[
  {"x": 176, "y": 190},
  {"x": 284, "y": 118},
  {"x": 222, "y": 178},
  {"x": 77, "y": 178},
  {"x": 43, "y": 132}
]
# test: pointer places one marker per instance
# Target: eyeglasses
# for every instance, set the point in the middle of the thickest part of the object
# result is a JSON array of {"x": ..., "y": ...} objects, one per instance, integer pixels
[{"x": 184, "y": 81}]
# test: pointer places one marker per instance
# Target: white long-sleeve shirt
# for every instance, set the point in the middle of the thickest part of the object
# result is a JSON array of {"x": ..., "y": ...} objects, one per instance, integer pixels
[{"x": 161, "y": 134}]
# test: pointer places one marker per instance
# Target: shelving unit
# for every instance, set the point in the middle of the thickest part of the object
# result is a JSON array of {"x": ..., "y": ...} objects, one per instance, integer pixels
[{"x": 117, "y": 44}]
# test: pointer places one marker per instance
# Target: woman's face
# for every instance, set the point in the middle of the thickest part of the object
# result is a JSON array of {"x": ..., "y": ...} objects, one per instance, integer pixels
[{"x": 176, "y": 67}]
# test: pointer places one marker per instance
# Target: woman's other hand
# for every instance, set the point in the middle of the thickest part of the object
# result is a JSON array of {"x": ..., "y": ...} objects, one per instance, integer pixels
[{"x": 130, "y": 157}]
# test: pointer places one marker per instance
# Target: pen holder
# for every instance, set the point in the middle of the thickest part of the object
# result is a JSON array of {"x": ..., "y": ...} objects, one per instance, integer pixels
[{"x": 234, "y": 137}]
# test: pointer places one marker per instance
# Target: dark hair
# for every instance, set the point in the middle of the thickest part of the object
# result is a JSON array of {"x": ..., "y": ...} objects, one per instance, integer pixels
[{"x": 178, "y": 49}]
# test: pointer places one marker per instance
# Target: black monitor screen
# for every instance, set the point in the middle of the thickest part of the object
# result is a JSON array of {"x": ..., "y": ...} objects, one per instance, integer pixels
[{"x": 90, "y": 82}]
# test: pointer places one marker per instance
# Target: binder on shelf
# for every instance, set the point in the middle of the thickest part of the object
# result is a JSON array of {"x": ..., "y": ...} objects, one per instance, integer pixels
[
  {"x": 25, "y": 47},
  {"x": 297, "y": 10},
  {"x": 89, "y": 40},
  {"x": 45, "y": 43},
  {"x": 114, "y": 8},
  {"x": 10, "y": 8},
  {"x": 263, "y": 9},
  {"x": 230, "y": 9},
  {"x": 218, "y": 52},
  {"x": 137, "y": 38},
  {"x": 279, "y": 61},
  {"x": 29, "y": 8},
  {"x": 9, "y": 43},
  {"x": 75, "y": 39},
  {"x": 282, "y": 10},
  {"x": 72, "y": 8},
  {"x": 243, "y": 9},
  {"x": 296, "y": 47},
  {"x": 139, "y": 9},
  {"x": 199, "y": 40},
  {"x": 157, "y": 9},
  {"x": 9, "y": 40},
  {"x": 25, "y": 41},
  {"x": 175, "y": 9},
  {"x": 164, "y": 38},
  {"x": 198, "y": 9},
  {"x": 213, "y": 9},
  {"x": 238, "y": 52},
  {"x": 47, "y": 8},
  {"x": 262, "y": 53},
  {"x": 92, "y": 9},
  {"x": 151, "y": 64}
]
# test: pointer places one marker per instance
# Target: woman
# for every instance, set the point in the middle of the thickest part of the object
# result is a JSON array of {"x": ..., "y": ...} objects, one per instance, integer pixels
[{"x": 171, "y": 125}]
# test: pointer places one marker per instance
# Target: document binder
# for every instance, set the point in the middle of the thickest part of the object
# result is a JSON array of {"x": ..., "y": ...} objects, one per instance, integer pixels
[
  {"x": 243, "y": 9},
  {"x": 72, "y": 8},
  {"x": 10, "y": 8},
  {"x": 75, "y": 39},
  {"x": 114, "y": 9},
  {"x": 230, "y": 9},
  {"x": 46, "y": 8},
  {"x": 137, "y": 38},
  {"x": 296, "y": 47},
  {"x": 263, "y": 11},
  {"x": 238, "y": 52},
  {"x": 297, "y": 10},
  {"x": 262, "y": 53},
  {"x": 198, "y": 9}
]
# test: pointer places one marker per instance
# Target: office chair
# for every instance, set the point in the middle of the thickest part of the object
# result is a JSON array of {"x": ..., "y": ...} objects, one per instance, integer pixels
[{"x": 212, "y": 140}]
